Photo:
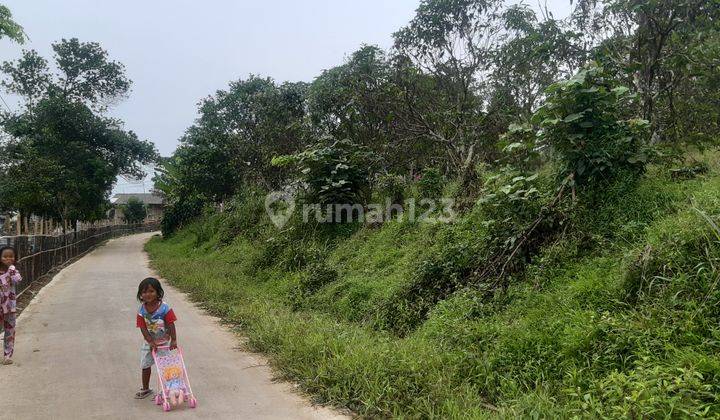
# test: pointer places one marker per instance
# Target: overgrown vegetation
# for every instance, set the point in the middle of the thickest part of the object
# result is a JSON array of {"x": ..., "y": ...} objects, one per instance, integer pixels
[
  {"x": 615, "y": 316},
  {"x": 579, "y": 277}
]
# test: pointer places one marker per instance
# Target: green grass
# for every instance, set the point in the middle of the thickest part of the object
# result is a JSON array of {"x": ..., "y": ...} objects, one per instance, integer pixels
[{"x": 621, "y": 321}]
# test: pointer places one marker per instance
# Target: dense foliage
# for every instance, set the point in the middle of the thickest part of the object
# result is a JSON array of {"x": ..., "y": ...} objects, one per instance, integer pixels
[
  {"x": 582, "y": 121},
  {"x": 334, "y": 171},
  {"x": 134, "y": 211},
  {"x": 9, "y": 28},
  {"x": 62, "y": 155},
  {"x": 462, "y": 79},
  {"x": 616, "y": 316},
  {"x": 579, "y": 276}
]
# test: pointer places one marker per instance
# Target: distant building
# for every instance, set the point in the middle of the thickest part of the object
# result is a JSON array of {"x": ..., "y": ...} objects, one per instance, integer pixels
[
  {"x": 153, "y": 203},
  {"x": 5, "y": 228}
]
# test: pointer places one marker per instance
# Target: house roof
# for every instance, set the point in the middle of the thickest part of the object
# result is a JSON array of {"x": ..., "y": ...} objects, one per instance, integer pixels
[{"x": 146, "y": 198}]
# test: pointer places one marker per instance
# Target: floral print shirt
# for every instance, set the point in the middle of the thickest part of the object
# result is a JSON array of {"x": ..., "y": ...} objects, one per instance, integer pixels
[
  {"x": 157, "y": 322},
  {"x": 8, "y": 280}
]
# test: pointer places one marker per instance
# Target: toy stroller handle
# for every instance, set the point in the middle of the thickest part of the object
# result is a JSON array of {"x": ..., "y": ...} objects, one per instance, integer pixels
[{"x": 164, "y": 347}]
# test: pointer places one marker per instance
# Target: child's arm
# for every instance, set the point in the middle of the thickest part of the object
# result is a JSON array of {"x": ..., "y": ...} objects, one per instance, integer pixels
[
  {"x": 147, "y": 337},
  {"x": 173, "y": 336},
  {"x": 15, "y": 276}
]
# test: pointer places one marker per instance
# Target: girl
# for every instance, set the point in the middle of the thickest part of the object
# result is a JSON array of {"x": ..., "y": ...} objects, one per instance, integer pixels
[
  {"x": 9, "y": 277},
  {"x": 156, "y": 321}
]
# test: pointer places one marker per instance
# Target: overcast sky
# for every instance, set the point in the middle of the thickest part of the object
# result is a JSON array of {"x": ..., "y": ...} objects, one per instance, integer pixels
[{"x": 177, "y": 52}]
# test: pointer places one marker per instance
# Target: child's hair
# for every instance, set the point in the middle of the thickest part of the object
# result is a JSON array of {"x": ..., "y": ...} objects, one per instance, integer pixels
[
  {"x": 150, "y": 282},
  {"x": 172, "y": 372},
  {"x": 11, "y": 248}
]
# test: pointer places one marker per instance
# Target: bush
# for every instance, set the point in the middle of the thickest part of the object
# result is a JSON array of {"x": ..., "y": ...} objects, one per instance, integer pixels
[
  {"x": 688, "y": 247},
  {"x": 392, "y": 187},
  {"x": 519, "y": 147},
  {"x": 434, "y": 280},
  {"x": 315, "y": 277},
  {"x": 134, "y": 211},
  {"x": 244, "y": 214},
  {"x": 332, "y": 172},
  {"x": 430, "y": 184},
  {"x": 178, "y": 214},
  {"x": 583, "y": 123}
]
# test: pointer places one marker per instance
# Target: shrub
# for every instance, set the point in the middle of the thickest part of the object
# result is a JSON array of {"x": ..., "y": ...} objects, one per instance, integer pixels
[
  {"x": 689, "y": 246},
  {"x": 392, "y": 187},
  {"x": 179, "y": 213},
  {"x": 315, "y": 276},
  {"x": 519, "y": 147},
  {"x": 583, "y": 123},
  {"x": 332, "y": 172},
  {"x": 134, "y": 211},
  {"x": 244, "y": 214},
  {"x": 430, "y": 184}
]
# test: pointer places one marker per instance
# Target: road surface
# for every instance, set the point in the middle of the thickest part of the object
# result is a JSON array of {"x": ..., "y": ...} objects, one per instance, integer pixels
[{"x": 77, "y": 352}]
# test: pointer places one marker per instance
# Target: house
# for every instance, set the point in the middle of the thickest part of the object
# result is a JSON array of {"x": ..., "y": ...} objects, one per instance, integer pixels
[
  {"x": 5, "y": 224},
  {"x": 153, "y": 203}
]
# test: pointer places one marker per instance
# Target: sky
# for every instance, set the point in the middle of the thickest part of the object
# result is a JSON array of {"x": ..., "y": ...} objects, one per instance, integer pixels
[{"x": 177, "y": 52}]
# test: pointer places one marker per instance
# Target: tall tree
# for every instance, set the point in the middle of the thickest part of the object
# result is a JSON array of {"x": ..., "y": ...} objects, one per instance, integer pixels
[
  {"x": 454, "y": 41},
  {"x": 648, "y": 44},
  {"x": 84, "y": 74},
  {"x": 62, "y": 160},
  {"x": 533, "y": 54},
  {"x": 361, "y": 100},
  {"x": 237, "y": 134},
  {"x": 73, "y": 154}
]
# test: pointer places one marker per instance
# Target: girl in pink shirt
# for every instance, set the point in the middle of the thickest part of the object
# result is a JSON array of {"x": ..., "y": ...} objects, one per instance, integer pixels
[{"x": 9, "y": 277}]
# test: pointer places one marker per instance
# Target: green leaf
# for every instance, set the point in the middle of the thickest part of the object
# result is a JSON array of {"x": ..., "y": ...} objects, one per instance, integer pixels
[
  {"x": 620, "y": 90},
  {"x": 573, "y": 117}
]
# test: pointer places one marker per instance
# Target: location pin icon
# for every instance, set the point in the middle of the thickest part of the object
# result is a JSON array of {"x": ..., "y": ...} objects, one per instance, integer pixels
[{"x": 279, "y": 206}]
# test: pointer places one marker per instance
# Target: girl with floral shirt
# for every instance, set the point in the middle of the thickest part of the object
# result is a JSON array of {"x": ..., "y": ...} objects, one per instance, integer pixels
[
  {"x": 9, "y": 278},
  {"x": 156, "y": 321}
]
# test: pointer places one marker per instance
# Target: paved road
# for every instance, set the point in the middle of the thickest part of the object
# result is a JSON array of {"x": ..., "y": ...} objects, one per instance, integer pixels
[{"x": 77, "y": 352}]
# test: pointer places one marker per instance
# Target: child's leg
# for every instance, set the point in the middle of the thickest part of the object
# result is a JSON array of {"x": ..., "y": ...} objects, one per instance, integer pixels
[
  {"x": 146, "y": 378},
  {"x": 9, "y": 327}
]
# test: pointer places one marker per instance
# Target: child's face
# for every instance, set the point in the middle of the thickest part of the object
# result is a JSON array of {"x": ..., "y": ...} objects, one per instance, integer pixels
[
  {"x": 149, "y": 295},
  {"x": 7, "y": 258}
]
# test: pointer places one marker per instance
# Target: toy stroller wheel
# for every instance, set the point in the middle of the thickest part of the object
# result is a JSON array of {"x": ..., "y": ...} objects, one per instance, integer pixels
[
  {"x": 158, "y": 399},
  {"x": 166, "y": 406},
  {"x": 192, "y": 402}
]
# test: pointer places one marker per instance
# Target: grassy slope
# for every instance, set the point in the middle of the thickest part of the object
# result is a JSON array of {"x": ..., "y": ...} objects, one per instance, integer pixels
[{"x": 568, "y": 340}]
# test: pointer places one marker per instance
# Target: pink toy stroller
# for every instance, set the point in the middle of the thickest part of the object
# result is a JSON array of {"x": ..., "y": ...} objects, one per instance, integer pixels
[{"x": 173, "y": 381}]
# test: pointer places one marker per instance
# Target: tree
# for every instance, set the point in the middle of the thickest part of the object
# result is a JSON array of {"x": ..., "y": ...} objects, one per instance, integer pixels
[
  {"x": 73, "y": 154},
  {"x": 360, "y": 100},
  {"x": 9, "y": 28},
  {"x": 134, "y": 211},
  {"x": 454, "y": 41},
  {"x": 73, "y": 157},
  {"x": 233, "y": 141},
  {"x": 649, "y": 45},
  {"x": 533, "y": 55},
  {"x": 251, "y": 122},
  {"x": 84, "y": 74}
]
